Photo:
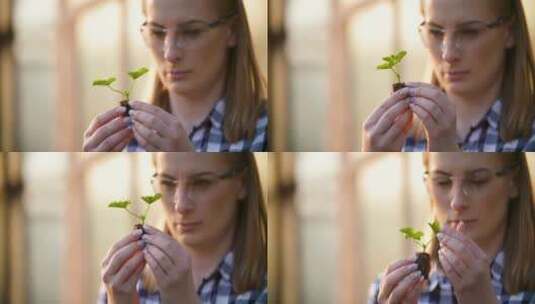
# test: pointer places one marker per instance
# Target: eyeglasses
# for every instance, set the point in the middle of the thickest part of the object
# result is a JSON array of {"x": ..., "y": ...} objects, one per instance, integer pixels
[
  {"x": 434, "y": 38},
  {"x": 194, "y": 187},
  {"x": 188, "y": 36},
  {"x": 472, "y": 184}
]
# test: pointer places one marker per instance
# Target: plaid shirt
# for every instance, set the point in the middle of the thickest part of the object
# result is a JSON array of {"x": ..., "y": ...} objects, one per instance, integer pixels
[
  {"x": 208, "y": 135},
  {"x": 440, "y": 290},
  {"x": 483, "y": 137},
  {"x": 216, "y": 288}
]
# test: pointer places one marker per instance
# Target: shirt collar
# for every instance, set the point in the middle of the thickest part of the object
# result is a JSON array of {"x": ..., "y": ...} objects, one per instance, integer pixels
[
  {"x": 215, "y": 117},
  {"x": 437, "y": 279},
  {"x": 224, "y": 269},
  {"x": 492, "y": 117}
]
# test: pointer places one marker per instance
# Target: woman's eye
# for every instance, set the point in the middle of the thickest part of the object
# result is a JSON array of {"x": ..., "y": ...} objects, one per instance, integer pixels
[
  {"x": 201, "y": 183},
  {"x": 478, "y": 182},
  {"x": 191, "y": 34},
  {"x": 157, "y": 33},
  {"x": 167, "y": 184},
  {"x": 436, "y": 33},
  {"x": 443, "y": 182},
  {"x": 469, "y": 33}
]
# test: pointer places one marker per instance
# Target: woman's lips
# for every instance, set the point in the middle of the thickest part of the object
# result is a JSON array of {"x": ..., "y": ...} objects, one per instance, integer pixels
[
  {"x": 177, "y": 74},
  {"x": 466, "y": 223},
  {"x": 187, "y": 226},
  {"x": 455, "y": 75}
]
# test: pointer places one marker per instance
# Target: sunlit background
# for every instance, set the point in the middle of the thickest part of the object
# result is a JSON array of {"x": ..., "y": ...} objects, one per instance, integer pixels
[
  {"x": 332, "y": 236},
  {"x": 326, "y": 53},
  {"x": 59, "y": 48},
  {"x": 55, "y": 226}
]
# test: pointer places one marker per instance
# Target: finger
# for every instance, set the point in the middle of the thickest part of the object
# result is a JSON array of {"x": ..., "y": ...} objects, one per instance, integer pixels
[
  {"x": 129, "y": 268},
  {"x": 158, "y": 272},
  {"x": 151, "y": 230},
  {"x": 103, "y": 119},
  {"x": 399, "y": 127},
  {"x": 456, "y": 261},
  {"x": 151, "y": 122},
  {"x": 430, "y": 92},
  {"x": 164, "y": 243},
  {"x": 414, "y": 292},
  {"x": 132, "y": 237},
  {"x": 143, "y": 142},
  {"x": 469, "y": 245},
  {"x": 154, "y": 110},
  {"x": 429, "y": 106},
  {"x": 457, "y": 246},
  {"x": 447, "y": 266},
  {"x": 161, "y": 257},
  {"x": 114, "y": 140},
  {"x": 122, "y": 255},
  {"x": 390, "y": 281},
  {"x": 389, "y": 102},
  {"x": 150, "y": 135},
  {"x": 137, "y": 274},
  {"x": 104, "y": 131},
  {"x": 416, "y": 84},
  {"x": 386, "y": 121},
  {"x": 424, "y": 117},
  {"x": 120, "y": 146},
  {"x": 399, "y": 264},
  {"x": 401, "y": 290}
]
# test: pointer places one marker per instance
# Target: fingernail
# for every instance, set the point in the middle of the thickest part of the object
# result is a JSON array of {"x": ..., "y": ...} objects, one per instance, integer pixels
[
  {"x": 137, "y": 232},
  {"x": 440, "y": 236},
  {"x": 413, "y": 266},
  {"x": 132, "y": 113},
  {"x": 127, "y": 121}
]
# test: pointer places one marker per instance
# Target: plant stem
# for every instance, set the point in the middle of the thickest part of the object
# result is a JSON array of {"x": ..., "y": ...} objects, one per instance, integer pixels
[
  {"x": 133, "y": 214},
  {"x": 117, "y": 91},
  {"x": 145, "y": 214},
  {"x": 398, "y": 76}
]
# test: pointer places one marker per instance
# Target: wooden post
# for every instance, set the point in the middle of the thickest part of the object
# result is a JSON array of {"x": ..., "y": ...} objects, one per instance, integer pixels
[{"x": 7, "y": 79}]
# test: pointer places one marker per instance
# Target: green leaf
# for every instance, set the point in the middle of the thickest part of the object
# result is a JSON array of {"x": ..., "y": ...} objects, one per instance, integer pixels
[
  {"x": 104, "y": 81},
  {"x": 411, "y": 233},
  {"x": 119, "y": 204},
  {"x": 400, "y": 56},
  {"x": 384, "y": 66},
  {"x": 435, "y": 226},
  {"x": 149, "y": 199},
  {"x": 135, "y": 74}
]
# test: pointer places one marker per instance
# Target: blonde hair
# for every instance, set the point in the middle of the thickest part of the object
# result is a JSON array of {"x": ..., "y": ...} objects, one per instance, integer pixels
[
  {"x": 250, "y": 239},
  {"x": 244, "y": 87},
  {"x": 519, "y": 241},
  {"x": 518, "y": 84}
]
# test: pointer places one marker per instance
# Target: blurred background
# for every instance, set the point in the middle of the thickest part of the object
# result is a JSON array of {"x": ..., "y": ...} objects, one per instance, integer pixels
[
  {"x": 52, "y": 50},
  {"x": 334, "y": 221},
  {"x": 55, "y": 226},
  {"x": 323, "y": 58}
]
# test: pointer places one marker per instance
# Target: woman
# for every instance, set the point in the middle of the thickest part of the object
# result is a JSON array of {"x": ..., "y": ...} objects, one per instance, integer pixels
[
  {"x": 214, "y": 245},
  {"x": 208, "y": 93},
  {"x": 485, "y": 251},
  {"x": 482, "y": 96}
]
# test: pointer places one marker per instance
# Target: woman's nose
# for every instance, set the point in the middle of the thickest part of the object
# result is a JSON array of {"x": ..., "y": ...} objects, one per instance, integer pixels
[
  {"x": 458, "y": 197},
  {"x": 450, "y": 48},
  {"x": 171, "y": 51},
  {"x": 182, "y": 201}
]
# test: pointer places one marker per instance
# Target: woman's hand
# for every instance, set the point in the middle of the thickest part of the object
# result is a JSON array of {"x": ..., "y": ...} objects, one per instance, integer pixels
[
  {"x": 108, "y": 131},
  {"x": 401, "y": 283},
  {"x": 122, "y": 267},
  {"x": 387, "y": 127},
  {"x": 437, "y": 114},
  {"x": 171, "y": 266},
  {"x": 466, "y": 266},
  {"x": 158, "y": 130}
]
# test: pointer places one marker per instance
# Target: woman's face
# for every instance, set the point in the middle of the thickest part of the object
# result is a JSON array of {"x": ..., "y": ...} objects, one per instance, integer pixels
[
  {"x": 477, "y": 63},
  {"x": 203, "y": 208},
  {"x": 198, "y": 63},
  {"x": 464, "y": 188}
]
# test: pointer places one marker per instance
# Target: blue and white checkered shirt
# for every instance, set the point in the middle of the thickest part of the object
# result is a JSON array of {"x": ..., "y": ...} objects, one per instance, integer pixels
[
  {"x": 208, "y": 135},
  {"x": 483, "y": 137},
  {"x": 440, "y": 290},
  {"x": 216, "y": 288}
]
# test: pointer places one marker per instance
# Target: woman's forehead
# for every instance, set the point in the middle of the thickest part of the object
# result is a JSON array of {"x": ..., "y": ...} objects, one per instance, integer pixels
[
  {"x": 184, "y": 163},
  {"x": 450, "y": 13},
  {"x": 463, "y": 162},
  {"x": 173, "y": 12}
]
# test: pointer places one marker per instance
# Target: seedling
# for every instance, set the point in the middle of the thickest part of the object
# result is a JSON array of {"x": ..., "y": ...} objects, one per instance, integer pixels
[
  {"x": 390, "y": 63},
  {"x": 423, "y": 259},
  {"x": 149, "y": 200},
  {"x": 125, "y": 94}
]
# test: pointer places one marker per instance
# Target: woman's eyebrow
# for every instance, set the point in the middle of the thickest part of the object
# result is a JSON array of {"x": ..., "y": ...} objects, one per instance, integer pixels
[
  {"x": 462, "y": 24},
  {"x": 183, "y": 24}
]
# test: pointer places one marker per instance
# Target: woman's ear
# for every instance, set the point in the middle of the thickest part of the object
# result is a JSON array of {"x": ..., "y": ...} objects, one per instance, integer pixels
[
  {"x": 510, "y": 35},
  {"x": 232, "y": 35}
]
